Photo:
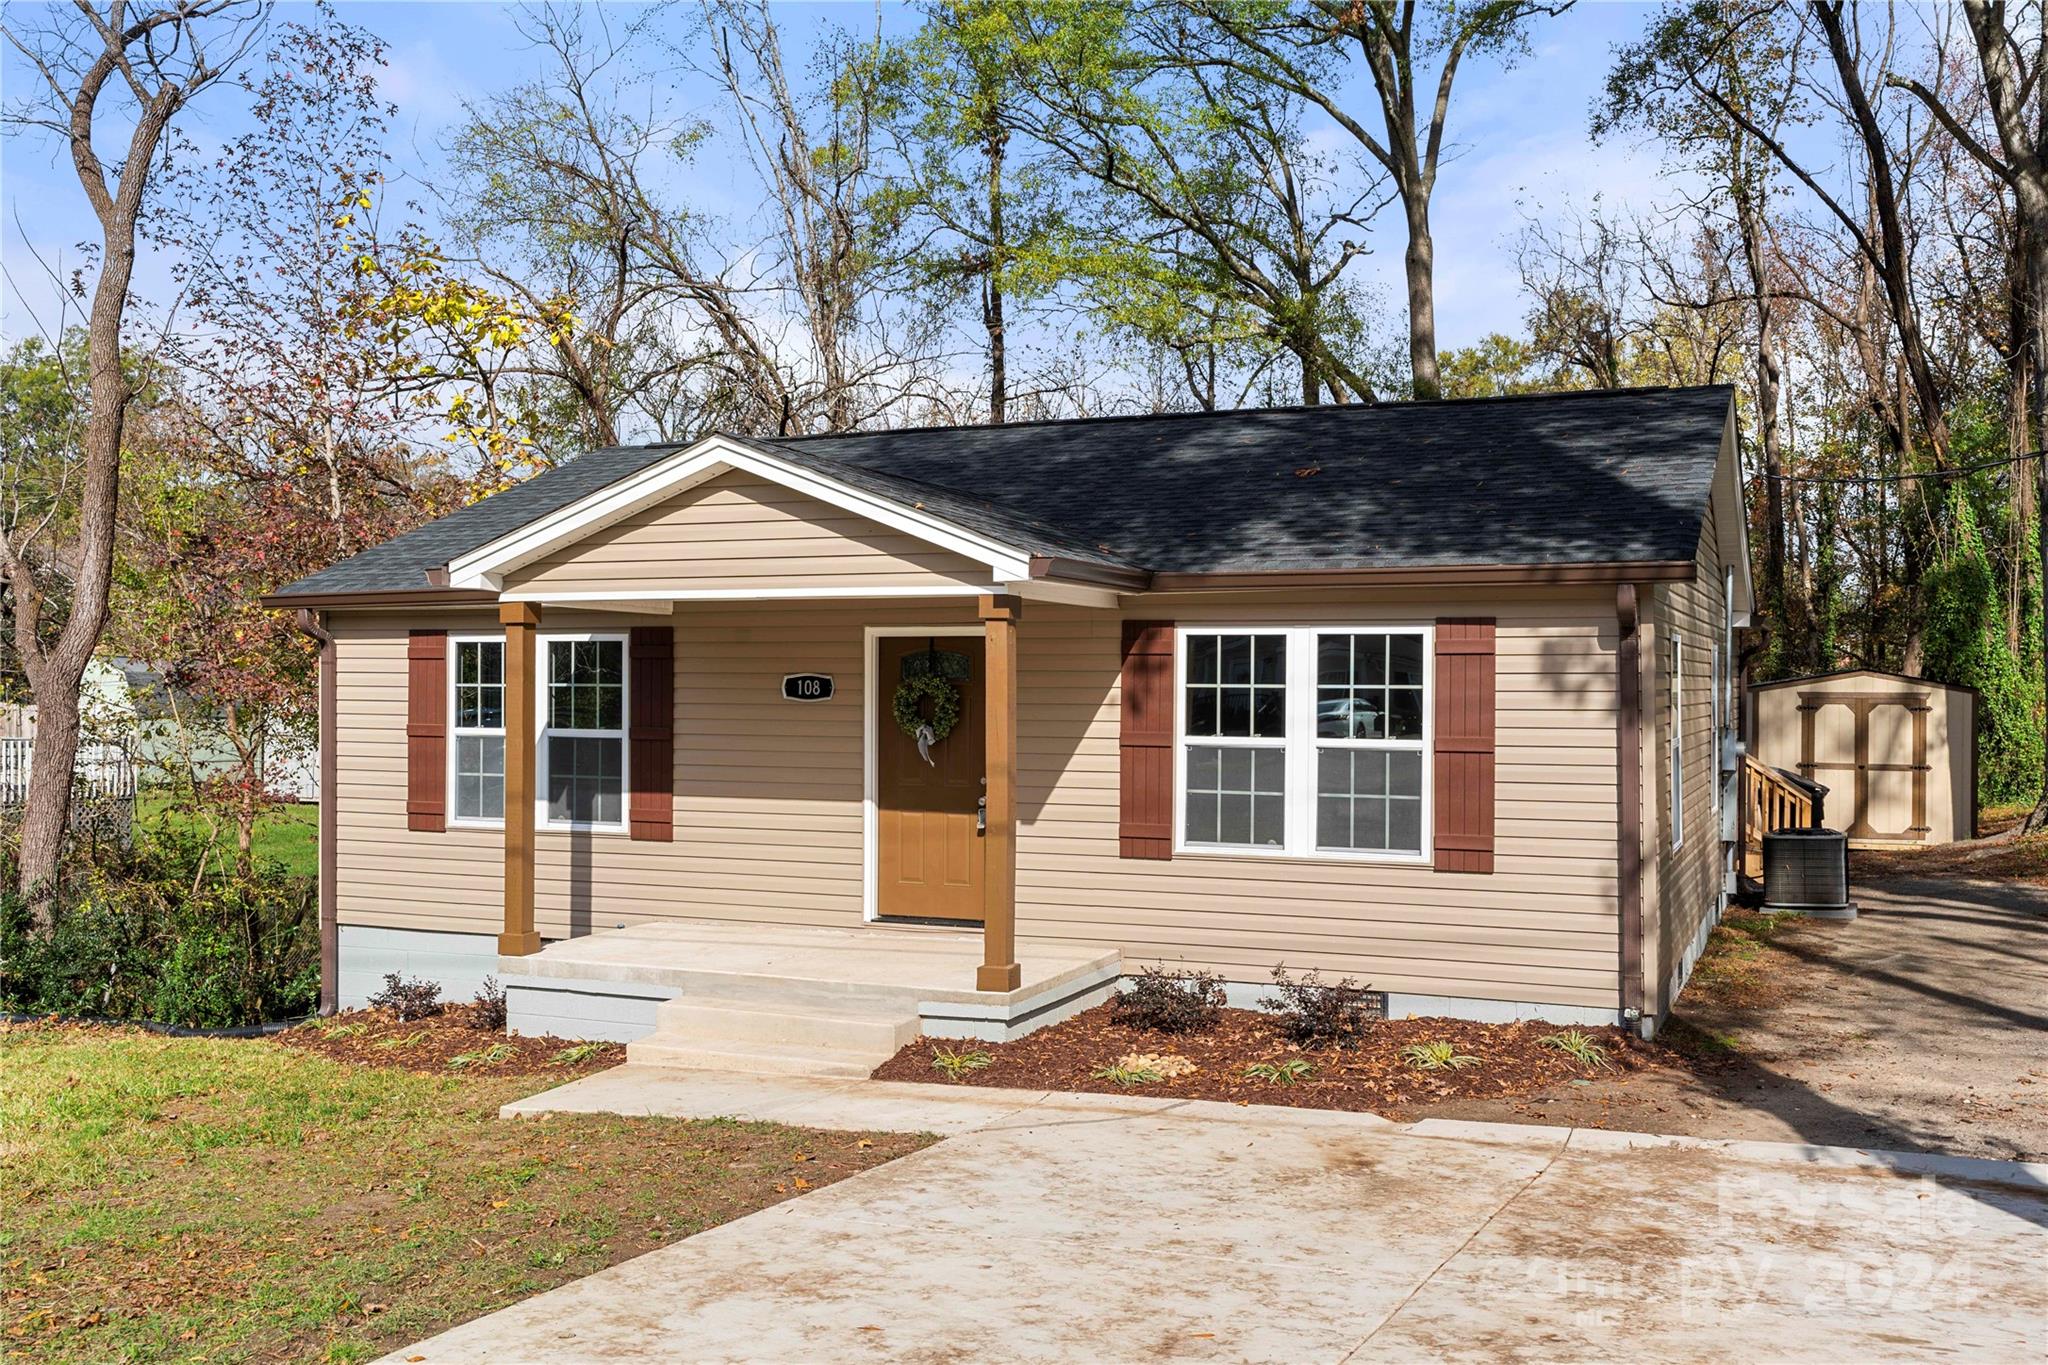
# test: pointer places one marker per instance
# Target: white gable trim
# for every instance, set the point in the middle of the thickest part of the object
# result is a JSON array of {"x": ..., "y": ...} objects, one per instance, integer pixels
[{"x": 486, "y": 566}]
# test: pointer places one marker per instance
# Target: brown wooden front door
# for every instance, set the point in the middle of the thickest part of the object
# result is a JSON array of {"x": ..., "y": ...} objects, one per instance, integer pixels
[{"x": 930, "y": 864}]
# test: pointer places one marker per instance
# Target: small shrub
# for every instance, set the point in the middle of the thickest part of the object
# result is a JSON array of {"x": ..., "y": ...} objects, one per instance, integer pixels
[
  {"x": 487, "y": 1011},
  {"x": 1313, "y": 1012},
  {"x": 489, "y": 1056},
  {"x": 1125, "y": 1074},
  {"x": 577, "y": 1053},
  {"x": 1440, "y": 1055},
  {"x": 408, "y": 997},
  {"x": 1279, "y": 1073},
  {"x": 1580, "y": 1047},
  {"x": 1169, "y": 1002},
  {"x": 958, "y": 1064}
]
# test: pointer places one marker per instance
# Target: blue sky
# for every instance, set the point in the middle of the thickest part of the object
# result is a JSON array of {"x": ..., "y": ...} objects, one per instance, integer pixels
[{"x": 1519, "y": 136}]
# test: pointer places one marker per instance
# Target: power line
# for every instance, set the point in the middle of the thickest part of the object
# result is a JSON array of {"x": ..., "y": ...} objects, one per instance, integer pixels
[{"x": 1900, "y": 478}]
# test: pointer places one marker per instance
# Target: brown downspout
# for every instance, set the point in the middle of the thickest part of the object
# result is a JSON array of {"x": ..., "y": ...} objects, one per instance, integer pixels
[
  {"x": 330, "y": 942},
  {"x": 1628, "y": 784}
]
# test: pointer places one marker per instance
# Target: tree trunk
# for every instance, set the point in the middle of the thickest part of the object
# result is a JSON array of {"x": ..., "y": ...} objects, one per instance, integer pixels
[
  {"x": 1419, "y": 261},
  {"x": 1894, "y": 263},
  {"x": 2033, "y": 199},
  {"x": 992, "y": 286},
  {"x": 56, "y": 673}
]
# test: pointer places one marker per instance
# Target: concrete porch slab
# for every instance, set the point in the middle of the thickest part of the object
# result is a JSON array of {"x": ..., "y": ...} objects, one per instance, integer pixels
[{"x": 611, "y": 984}]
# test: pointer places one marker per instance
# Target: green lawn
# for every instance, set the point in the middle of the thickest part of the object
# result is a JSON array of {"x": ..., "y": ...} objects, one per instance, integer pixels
[
  {"x": 290, "y": 834},
  {"x": 188, "y": 1199}
]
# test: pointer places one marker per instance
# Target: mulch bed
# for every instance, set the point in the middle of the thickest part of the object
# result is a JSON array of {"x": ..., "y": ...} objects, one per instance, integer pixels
[
  {"x": 1371, "y": 1076},
  {"x": 446, "y": 1044}
]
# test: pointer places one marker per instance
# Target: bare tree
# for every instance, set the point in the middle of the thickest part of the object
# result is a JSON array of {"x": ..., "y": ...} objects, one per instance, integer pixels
[
  {"x": 2014, "y": 64},
  {"x": 159, "y": 57},
  {"x": 1289, "y": 47}
]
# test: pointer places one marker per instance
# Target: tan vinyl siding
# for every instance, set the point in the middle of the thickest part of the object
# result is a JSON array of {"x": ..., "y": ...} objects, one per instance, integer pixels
[
  {"x": 1688, "y": 877},
  {"x": 735, "y": 532},
  {"x": 768, "y": 804},
  {"x": 1540, "y": 928}
]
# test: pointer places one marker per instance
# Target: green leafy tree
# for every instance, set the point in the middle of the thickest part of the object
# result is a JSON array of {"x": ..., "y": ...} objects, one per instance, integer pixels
[
  {"x": 974, "y": 212},
  {"x": 1212, "y": 226}
]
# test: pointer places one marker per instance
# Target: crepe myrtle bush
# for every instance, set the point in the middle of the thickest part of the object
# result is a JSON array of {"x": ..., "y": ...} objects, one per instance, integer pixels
[
  {"x": 1314, "y": 1012},
  {"x": 1169, "y": 1002}
]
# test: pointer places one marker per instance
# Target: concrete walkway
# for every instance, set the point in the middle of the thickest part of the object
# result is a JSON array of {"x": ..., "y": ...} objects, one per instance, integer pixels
[{"x": 1099, "y": 1228}]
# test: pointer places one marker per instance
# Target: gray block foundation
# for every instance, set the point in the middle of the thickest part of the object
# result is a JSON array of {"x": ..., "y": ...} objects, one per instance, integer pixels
[
  {"x": 1400, "y": 1005},
  {"x": 999, "y": 1022},
  {"x": 459, "y": 962},
  {"x": 607, "y": 1011}
]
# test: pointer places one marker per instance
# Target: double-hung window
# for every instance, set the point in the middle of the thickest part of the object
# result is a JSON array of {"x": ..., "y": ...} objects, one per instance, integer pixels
[
  {"x": 1304, "y": 740},
  {"x": 583, "y": 736},
  {"x": 477, "y": 764},
  {"x": 1369, "y": 741},
  {"x": 1235, "y": 718}
]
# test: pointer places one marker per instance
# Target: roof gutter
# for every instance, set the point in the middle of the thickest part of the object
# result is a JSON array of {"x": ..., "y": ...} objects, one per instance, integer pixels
[
  {"x": 1438, "y": 575},
  {"x": 1628, "y": 788},
  {"x": 382, "y": 597},
  {"x": 310, "y": 623},
  {"x": 1081, "y": 571}
]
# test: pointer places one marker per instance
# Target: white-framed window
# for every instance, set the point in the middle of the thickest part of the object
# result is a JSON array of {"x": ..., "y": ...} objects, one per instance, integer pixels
[
  {"x": 476, "y": 760},
  {"x": 1676, "y": 728},
  {"x": 1310, "y": 741},
  {"x": 583, "y": 699}
]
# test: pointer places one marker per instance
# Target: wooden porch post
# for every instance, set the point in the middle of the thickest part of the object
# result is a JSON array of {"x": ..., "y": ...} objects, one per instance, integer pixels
[
  {"x": 999, "y": 970},
  {"x": 520, "y": 620}
]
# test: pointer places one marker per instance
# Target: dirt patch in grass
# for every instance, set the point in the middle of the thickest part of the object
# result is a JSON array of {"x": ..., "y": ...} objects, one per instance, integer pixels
[
  {"x": 2001, "y": 857},
  {"x": 449, "y": 1041},
  {"x": 1509, "y": 1059},
  {"x": 1745, "y": 964},
  {"x": 200, "y": 1199}
]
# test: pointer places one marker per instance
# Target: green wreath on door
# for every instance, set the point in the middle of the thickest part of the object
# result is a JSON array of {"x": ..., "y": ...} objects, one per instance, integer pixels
[{"x": 913, "y": 693}]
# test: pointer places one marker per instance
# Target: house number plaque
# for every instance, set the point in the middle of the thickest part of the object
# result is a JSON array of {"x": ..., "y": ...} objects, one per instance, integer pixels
[{"x": 807, "y": 687}]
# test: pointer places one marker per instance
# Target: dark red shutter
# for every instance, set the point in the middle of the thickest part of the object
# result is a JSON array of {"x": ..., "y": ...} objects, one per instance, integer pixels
[
  {"x": 650, "y": 733},
  {"x": 1145, "y": 739},
  {"x": 1464, "y": 744},
  {"x": 426, "y": 730}
]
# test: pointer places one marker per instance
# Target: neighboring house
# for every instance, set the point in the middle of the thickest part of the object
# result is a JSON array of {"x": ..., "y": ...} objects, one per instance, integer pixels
[
  {"x": 1426, "y": 694},
  {"x": 170, "y": 732}
]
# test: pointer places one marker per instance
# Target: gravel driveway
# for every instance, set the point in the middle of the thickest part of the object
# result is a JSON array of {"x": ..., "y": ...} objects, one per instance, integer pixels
[{"x": 1921, "y": 1026}]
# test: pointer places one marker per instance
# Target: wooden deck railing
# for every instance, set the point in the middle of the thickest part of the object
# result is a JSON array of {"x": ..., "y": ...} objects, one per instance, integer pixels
[{"x": 1770, "y": 801}]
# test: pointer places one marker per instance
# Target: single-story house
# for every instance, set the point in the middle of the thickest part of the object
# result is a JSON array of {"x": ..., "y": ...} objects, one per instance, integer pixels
[{"x": 1431, "y": 695}]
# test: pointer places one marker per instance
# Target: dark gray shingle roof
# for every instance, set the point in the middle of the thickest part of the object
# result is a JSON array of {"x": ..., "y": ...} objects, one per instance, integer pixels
[{"x": 1582, "y": 478}]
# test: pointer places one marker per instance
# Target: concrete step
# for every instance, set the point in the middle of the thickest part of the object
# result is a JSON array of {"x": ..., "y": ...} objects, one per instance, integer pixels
[
  {"x": 867, "y": 1030},
  {"x": 757, "y": 1059}
]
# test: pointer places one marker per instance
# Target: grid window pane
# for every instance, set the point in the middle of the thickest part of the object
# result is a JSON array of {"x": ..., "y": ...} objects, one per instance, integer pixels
[
  {"x": 1369, "y": 687},
  {"x": 479, "y": 685},
  {"x": 1236, "y": 796},
  {"x": 585, "y": 780},
  {"x": 480, "y": 777},
  {"x": 1237, "y": 686},
  {"x": 586, "y": 685},
  {"x": 1369, "y": 799}
]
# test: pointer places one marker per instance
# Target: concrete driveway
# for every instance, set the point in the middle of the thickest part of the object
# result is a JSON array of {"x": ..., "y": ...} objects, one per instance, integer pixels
[{"x": 1092, "y": 1228}]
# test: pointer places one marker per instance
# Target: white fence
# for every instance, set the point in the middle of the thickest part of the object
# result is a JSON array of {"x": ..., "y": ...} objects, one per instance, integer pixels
[{"x": 102, "y": 787}]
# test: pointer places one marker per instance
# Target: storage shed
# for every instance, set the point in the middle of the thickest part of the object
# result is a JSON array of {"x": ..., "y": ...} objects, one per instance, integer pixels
[{"x": 1898, "y": 754}]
